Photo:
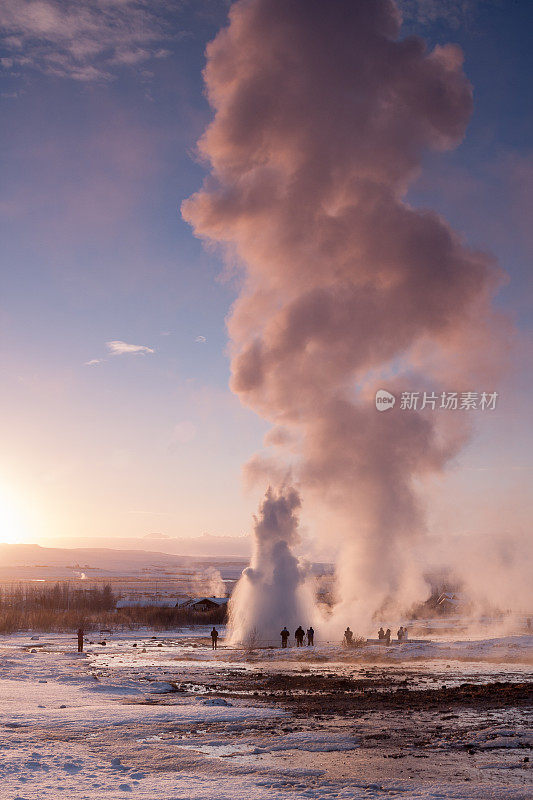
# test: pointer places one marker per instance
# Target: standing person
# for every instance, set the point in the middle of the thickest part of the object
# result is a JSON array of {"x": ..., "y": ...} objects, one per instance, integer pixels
[
  {"x": 284, "y": 637},
  {"x": 299, "y": 636},
  {"x": 80, "y": 640},
  {"x": 348, "y": 637},
  {"x": 399, "y": 633},
  {"x": 404, "y": 635},
  {"x": 310, "y": 637},
  {"x": 214, "y": 637},
  {"x": 381, "y": 633},
  {"x": 387, "y": 636}
]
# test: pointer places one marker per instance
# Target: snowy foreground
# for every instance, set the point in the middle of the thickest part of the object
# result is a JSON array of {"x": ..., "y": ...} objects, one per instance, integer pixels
[{"x": 110, "y": 723}]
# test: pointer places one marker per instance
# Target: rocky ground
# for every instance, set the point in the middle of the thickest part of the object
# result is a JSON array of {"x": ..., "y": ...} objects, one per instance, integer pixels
[{"x": 169, "y": 719}]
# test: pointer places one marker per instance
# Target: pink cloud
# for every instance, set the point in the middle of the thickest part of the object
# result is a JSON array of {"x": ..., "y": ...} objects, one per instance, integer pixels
[{"x": 322, "y": 116}]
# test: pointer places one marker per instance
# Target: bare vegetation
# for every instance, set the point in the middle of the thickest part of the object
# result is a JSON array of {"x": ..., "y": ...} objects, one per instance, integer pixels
[{"x": 60, "y": 608}]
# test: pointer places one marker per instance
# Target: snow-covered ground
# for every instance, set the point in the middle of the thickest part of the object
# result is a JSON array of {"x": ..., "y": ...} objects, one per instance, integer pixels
[{"x": 108, "y": 724}]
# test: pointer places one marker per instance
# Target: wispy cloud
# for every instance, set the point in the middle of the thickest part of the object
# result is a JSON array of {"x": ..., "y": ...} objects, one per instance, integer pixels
[
  {"x": 94, "y": 362},
  {"x": 85, "y": 40},
  {"x": 119, "y": 348},
  {"x": 200, "y": 339}
]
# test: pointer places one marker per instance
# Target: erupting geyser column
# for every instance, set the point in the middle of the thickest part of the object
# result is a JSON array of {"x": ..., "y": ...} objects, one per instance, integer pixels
[
  {"x": 272, "y": 591},
  {"x": 322, "y": 117}
]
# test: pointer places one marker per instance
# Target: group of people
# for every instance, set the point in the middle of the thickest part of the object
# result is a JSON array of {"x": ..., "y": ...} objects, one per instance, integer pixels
[
  {"x": 385, "y": 636},
  {"x": 299, "y": 635}
]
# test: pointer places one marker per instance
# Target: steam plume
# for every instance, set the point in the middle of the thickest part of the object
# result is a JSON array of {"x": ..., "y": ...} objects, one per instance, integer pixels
[
  {"x": 322, "y": 117},
  {"x": 208, "y": 583},
  {"x": 272, "y": 591}
]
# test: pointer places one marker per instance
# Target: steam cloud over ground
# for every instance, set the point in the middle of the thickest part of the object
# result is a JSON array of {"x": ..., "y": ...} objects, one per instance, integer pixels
[{"x": 322, "y": 117}]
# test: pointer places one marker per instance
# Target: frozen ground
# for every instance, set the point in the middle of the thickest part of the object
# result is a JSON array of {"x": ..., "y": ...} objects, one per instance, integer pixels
[{"x": 170, "y": 719}]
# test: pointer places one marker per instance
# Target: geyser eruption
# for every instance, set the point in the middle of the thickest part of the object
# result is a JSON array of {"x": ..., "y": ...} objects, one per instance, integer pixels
[
  {"x": 273, "y": 591},
  {"x": 322, "y": 118}
]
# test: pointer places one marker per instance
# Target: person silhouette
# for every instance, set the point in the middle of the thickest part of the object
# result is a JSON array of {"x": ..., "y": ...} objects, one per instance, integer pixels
[
  {"x": 214, "y": 638},
  {"x": 284, "y": 637},
  {"x": 310, "y": 637}
]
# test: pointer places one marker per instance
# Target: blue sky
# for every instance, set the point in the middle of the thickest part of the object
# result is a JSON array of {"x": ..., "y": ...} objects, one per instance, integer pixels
[{"x": 102, "y": 104}]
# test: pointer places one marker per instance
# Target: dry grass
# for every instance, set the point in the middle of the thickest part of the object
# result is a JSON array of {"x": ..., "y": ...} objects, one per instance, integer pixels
[
  {"x": 46, "y": 620},
  {"x": 58, "y": 608}
]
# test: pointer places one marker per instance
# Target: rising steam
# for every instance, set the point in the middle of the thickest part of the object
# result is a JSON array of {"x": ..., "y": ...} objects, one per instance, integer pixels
[
  {"x": 273, "y": 590},
  {"x": 322, "y": 117},
  {"x": 207, "y": 583}
]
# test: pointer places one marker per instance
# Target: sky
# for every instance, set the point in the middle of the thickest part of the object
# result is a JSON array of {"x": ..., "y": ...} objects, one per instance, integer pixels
[{"x": 117, "y": 418}]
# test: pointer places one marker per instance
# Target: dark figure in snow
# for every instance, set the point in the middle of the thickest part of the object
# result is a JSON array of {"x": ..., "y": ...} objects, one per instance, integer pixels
[
  {"x": 310, "y": 637},
  {"x": 299, "y": 634},
  {"x": 387, "y": 636},
  {"x": 404, "y": 635},
  {"x": 284, "y": 637},
  {"x": 80, "y": 640},
  {"x": 399, "y": 633},
  {"x": 214, "y": 637},
  {"x": 381, "y": 633},
  {"x": 348, "y": 637}
]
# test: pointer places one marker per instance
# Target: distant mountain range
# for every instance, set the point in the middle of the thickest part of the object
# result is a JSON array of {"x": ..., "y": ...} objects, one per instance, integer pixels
[
  {"x": 206, "y": 545},
  {"x": 32, "y": 561}
]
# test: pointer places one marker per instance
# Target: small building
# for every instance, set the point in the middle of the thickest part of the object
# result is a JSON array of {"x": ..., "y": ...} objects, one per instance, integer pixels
[
  {"x": 193, "y": 604},
  {"x": 450, "y": 602},
  {"x": 205, "y": 603}
]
